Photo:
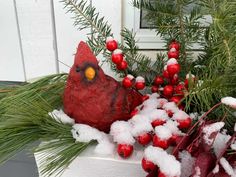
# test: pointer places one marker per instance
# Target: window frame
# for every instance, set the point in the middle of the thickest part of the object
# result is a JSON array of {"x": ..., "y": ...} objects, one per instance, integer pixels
[{"x": 147, "y": 39}]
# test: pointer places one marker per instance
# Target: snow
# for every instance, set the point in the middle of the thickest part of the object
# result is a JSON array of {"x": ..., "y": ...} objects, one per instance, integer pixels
[
  {"x": 190, "y": 75},
  {"x": 85, "y": 133},
  {"x": 105, "y": 147},
  {"x": 193, "y": 115},
  {"x": 233, "y": 146},
  {"x": 121, "y": 133},
  {"x": 109, "y": 39},
  {"x": 140, "y": 124},
  {"x": 163, "y": 132},
  {"x": 158, "y": 114},
  {"x": 165, "y": 67},
  {"x": 227, "y": 167},
  {"x": 172, "y": 61},
  {"x": 172, "y": 49},
  {"x": 154, "y": 95},
  {"x": 61, "y": 117},
  {"x": 187, "y": 163},
  {"x": 117, "y": 51},
  {"x": 180, "y": 115},
  {"x": 220, "y": 143},
  {"x": 140, "y": 79},
  {"x": 197, "y": 172},
  {"x": 167, "y": 163},
  {"x": 209, "y": 129},
  {"x": 151, "y": 103},
  {"x": 216, "y": 169},
  {"x": 230, "y": 101},
  {"x": 173, "y": 127},
  {"x": 130, "y": 77},
  {"x": 161, "y": 102},
  {"x": 170, "y": 106}
]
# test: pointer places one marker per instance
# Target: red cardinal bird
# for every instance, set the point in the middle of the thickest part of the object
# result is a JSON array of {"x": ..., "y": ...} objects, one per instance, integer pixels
[{"x": 93, "y": 98}]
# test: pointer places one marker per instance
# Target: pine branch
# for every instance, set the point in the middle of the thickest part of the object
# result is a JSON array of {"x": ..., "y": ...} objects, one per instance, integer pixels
[
  {"x": 26, "y": 121},
  {"x": 85, "y": 16}
]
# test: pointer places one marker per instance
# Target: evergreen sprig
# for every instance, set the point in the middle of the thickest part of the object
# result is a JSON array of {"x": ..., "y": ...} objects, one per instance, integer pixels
[
  {"x": 24, "y": 120},
  {"x": 219, "y": 75},
  {"x": 86, "y": 17}
]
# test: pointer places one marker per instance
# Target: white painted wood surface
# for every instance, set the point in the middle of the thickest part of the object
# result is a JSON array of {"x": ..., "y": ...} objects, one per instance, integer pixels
[
  {"x": 45, "y": 35},
  {"x": 36, "y": 35},
  {"x": 11, "y": 67},
  {"x": 68, "y": 36}
]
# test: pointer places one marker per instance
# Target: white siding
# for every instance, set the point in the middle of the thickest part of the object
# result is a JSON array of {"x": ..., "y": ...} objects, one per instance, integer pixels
[
  {"x": 68, "y": 36},
  {"x": 36, "y": 35},
  {"x": 11, "y": 67},
  {"x": 46, "y": 36}
]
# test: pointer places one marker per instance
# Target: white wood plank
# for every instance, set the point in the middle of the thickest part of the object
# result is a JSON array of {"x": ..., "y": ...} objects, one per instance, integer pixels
[
  {"x": 11, "y": 67},
  {"x": 68, "y": 36},
  {"x": 37, "y": 38},
  {"x": 112, "y": 11}
]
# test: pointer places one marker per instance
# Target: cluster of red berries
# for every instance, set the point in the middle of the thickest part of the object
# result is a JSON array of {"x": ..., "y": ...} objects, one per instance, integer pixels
[
  {"x": 149, "y": 167},
  {"x": 168, "y": 84},
  {"x": 138, "y": 83},
  {"x": 117, "y": 54},
  {"x": 117, "y": 58}
]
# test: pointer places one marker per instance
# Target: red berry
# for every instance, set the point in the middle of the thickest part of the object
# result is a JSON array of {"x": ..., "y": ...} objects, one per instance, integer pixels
[
  {"x": 122, "y": 66},
  {"x": 117, "y": 57},
  {"x": 175, "y": 45},
  {"x": 170, "y": 113},
  {"x": 173, "y": 69},
  {"x": 173, "y": 54},
  {"x": 186, "y": 83},
  {"x": 160, "y": 174},
  {"x": 144, "y": 138},
  {"x": 173, "y": 139},
  {"x": 140, "y": 85},
  {"x": 148, "y": 166},
  {"x": 176, "y": 99},
  {"x": 127, "y": 83},
  {"x": 155, "y": 89},
  {"x": 159, "y": 80},
  {"x": 168, "y": 90},
  {"x": 111, "y": 44},
  {"x": 164, "y": 144},
  {"x": 181, "y": 107},
  {"x": 158, "y": 122},
  {"x": 186, "y": 123},
  {"x": 166, "y": 74},
  {"x": 174, "y": 80},
  {"x": 179, "y": 89},
  {"x": 145, "y": 97},
  {"x": 134, "y": 112},
  {"x": 125, "y": 150}
]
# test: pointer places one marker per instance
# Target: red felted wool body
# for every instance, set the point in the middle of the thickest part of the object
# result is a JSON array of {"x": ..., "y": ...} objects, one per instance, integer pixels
[{"x": 100, "y": 101}]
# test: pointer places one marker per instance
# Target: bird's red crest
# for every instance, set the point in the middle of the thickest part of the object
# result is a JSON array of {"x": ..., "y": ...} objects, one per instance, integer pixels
[{"x": 84, "y": 55}]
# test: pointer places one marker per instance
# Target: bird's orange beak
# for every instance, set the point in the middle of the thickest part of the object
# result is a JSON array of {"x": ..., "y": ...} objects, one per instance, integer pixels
[{"x": 90, "y": 73}]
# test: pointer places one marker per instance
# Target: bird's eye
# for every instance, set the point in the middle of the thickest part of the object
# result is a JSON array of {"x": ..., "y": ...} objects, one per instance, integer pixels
[{"x": 77, "y": 69}]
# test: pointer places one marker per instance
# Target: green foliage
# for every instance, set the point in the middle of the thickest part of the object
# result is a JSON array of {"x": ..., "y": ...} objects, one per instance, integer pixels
[
  {"x": 219, "y": 75},
  {"x": 140, "y": 64},
  {"x": 24, "y": 119},
  {"x": 86, "y": 17}
]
